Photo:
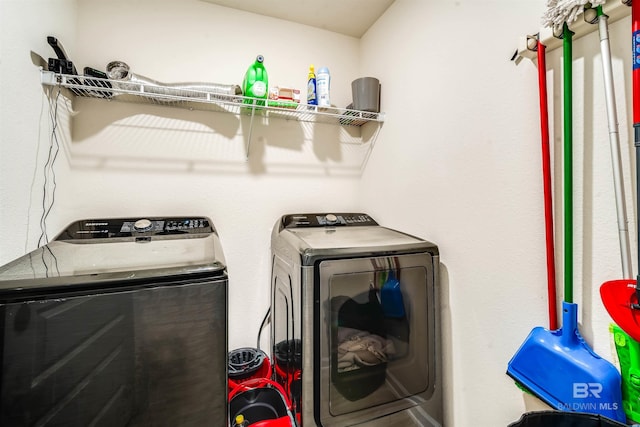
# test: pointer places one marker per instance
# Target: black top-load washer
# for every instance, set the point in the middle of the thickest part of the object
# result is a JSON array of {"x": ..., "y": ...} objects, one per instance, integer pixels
[
  {"x": 116, "y": 322},
  {"x": 355, "y": 321}
]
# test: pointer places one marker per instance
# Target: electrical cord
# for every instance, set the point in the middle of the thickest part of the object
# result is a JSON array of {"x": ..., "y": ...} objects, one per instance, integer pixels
[
  {"x": 262, "y": 325},
  {"x": 55, "y": 261},
  {"x": 35, "y": 171},
  {"x": 49, "y": 171}
]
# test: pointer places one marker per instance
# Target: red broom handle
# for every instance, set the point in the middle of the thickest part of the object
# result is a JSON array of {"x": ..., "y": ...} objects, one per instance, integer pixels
[
  {"x": 635, "y": 44},
  {"x": 635, "y": 29},
  {"x": 546, "y": 173}
]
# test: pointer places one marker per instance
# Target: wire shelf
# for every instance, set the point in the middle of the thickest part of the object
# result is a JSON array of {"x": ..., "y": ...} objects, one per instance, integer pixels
[{"x": 140, "y": 92}]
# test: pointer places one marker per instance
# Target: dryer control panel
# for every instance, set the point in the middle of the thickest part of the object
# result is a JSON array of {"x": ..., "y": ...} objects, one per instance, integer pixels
[{"x": 326, "y": 220}]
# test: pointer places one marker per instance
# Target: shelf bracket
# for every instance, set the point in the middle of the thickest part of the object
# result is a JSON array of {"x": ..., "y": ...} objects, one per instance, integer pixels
[{"x": 248, "y": 144}]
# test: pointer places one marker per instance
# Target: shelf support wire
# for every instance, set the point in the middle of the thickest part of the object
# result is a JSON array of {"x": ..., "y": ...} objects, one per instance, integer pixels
[{"x": 248, "y": 144}]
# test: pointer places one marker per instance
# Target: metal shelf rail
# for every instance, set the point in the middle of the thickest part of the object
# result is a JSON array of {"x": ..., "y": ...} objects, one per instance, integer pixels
[
  {"x": 187, "y": 98},
  {"x": 127, "y": 91}
]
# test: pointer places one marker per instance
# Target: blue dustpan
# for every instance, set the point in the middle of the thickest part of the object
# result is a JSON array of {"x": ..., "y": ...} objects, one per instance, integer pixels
[{"x": 561, "y": 369}]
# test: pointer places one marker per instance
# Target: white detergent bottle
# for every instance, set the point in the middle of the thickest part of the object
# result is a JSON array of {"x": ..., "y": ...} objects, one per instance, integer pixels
[{"x": 323, "y": 83}]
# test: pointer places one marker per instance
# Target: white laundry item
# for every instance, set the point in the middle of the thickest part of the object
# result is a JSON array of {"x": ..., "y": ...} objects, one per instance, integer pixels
[{"x": 358, "y": 348}]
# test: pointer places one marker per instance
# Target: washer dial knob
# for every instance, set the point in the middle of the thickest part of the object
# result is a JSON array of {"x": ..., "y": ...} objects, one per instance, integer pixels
[
  {"x": 142, "y": 225},
  {"x": 331, "y": 218}
]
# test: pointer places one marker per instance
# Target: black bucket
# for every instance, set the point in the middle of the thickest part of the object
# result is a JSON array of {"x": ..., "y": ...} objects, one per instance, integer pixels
[{"x": 564, "y": 419}]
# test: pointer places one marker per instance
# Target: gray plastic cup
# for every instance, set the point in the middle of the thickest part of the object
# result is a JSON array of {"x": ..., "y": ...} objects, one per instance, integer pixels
[{"x": 366, "y": 94}]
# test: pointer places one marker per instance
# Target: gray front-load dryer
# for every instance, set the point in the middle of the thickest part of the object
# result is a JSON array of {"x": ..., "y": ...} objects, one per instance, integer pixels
[{"x": 355, "y": 322}]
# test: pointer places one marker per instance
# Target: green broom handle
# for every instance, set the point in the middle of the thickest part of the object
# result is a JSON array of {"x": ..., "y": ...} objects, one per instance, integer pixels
[{"x": 568, "y": 164}]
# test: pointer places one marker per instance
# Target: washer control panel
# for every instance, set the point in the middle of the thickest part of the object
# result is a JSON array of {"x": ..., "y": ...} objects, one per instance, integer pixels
[
  {"x": 136, "y": 227},
  {"x": 326, "y": 220}
]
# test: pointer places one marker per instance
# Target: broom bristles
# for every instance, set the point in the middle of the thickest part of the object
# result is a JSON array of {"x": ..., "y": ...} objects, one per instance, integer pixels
[{"x": 561, "y": 11}]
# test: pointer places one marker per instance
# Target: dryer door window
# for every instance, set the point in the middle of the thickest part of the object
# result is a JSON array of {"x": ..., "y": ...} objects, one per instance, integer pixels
[{"x": 378, "y": 317}]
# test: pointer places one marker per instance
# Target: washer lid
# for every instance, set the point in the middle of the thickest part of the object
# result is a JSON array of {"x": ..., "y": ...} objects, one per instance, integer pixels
[{"x": 110, "y": 250}]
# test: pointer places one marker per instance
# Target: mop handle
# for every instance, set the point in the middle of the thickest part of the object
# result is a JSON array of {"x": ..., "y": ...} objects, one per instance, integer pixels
[
  {"x": 546, "y": 175},
  {"x": 616, "y": 160},
  {"x": 568, "y": 164}
]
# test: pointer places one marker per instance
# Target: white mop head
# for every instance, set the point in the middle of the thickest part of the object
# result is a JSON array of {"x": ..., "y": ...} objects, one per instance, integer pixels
[{"x": 561, "y": 11}]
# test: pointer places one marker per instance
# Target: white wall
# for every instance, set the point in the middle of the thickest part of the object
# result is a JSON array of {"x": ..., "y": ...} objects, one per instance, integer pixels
[
  {"x": 457, "y": 160},
  {"x": 24, "y": 26}
]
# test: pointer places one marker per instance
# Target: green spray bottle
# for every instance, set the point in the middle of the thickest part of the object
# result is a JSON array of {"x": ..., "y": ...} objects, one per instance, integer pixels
[{"x": 256, "y": 82}]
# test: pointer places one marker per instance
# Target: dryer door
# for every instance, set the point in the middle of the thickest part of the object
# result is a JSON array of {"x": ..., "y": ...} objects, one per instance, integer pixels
[{"x": 377, "y": 334}]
